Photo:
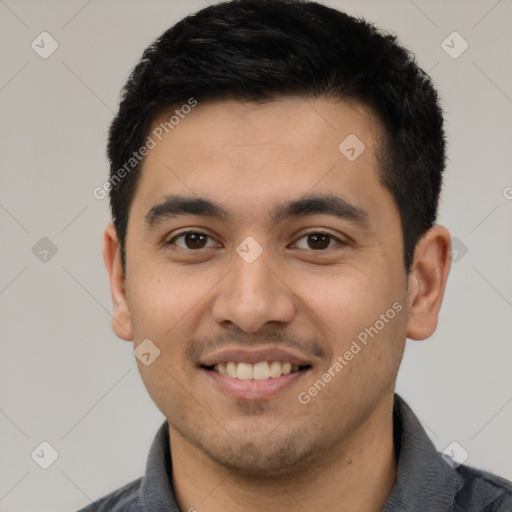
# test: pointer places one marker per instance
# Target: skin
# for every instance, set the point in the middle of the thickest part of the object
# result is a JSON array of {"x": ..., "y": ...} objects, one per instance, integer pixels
[{"x": 335, "y": 452}]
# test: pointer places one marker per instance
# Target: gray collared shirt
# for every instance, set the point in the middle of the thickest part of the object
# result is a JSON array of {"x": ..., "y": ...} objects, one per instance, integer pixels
[{"x": 425, "y": 481}]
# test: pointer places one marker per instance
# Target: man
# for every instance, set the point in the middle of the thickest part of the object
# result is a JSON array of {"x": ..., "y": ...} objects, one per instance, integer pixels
[{"x": 275, "y": 173}]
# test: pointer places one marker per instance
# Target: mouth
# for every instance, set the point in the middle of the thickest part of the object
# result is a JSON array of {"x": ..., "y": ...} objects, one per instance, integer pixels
[
  {"x": 254, "y": 375},
  {"x": 261, "y": 371}
]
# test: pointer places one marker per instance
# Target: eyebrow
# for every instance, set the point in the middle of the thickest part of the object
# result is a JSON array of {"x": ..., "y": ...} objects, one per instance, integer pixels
[{"x": 176, "y": 205}]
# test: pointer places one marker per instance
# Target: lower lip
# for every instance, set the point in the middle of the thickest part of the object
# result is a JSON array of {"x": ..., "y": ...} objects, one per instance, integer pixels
[{"x": 253, "y": 389}]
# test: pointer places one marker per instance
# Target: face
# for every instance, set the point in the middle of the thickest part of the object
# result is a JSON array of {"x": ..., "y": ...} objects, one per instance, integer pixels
[{"x": 256, "y": 247}]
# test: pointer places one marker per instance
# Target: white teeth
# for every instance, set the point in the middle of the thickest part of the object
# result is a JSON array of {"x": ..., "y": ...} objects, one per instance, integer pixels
[
  {"x": 286, "y": 369},
  {"x": 231, "y": 369},
  {"x": 259, "y": 371},
  {"x": 275, "y": 369},
  {"x": 244, "y": 371}
]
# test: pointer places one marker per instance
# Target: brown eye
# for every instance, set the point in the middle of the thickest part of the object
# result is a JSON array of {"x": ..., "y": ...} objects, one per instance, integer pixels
[
  {"x": 195, "y": 240},
  {"x": 318, "y": 241},
  {"x": 191, "y": 240}
]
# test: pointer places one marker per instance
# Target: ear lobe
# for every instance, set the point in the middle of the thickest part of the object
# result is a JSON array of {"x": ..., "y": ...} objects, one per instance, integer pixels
[
  {"x": 121, "y": 318},
  {"x": 427, "y": 282}
]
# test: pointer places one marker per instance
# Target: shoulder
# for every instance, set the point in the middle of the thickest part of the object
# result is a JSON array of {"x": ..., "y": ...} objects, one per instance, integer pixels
[
  {"x": 124, "y": 499},
  {"x": 482, "y": 491}
]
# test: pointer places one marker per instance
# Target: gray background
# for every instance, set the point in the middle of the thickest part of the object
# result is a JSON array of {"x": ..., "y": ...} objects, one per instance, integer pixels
[{"x": 66, "y": 379}]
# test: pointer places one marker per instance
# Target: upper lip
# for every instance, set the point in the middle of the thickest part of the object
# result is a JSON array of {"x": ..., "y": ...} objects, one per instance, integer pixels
[{"x": 254, "y": 356}]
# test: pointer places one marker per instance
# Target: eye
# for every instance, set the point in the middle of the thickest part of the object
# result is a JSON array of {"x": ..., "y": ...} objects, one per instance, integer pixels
[
  {"x": 318, "y": 241},
  {"x": 192, "y": 240}
]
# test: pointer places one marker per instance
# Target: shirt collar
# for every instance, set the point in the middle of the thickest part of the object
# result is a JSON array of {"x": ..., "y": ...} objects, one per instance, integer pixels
[
  {"x": 423, "y": 477},
  {"x": 157, "y": 494}
]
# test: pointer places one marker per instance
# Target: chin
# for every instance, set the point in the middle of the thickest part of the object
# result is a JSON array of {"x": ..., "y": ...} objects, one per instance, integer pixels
[{"x": 263, "y": 460}]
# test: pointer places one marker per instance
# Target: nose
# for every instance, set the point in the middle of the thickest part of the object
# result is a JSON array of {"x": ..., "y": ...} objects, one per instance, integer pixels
[{"x": 252, "y": 295}]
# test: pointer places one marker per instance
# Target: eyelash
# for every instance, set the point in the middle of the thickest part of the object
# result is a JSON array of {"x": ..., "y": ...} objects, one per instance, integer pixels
[{"x": 332, "y": 237}]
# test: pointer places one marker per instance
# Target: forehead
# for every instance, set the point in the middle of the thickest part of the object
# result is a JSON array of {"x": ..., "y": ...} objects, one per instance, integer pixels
[
  {"x": 254, "y": 155},
  {"x": 287, "y": 125}
]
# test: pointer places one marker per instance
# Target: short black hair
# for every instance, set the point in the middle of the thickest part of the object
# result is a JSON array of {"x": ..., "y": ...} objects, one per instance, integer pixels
[{"x": 259, "y": 50}]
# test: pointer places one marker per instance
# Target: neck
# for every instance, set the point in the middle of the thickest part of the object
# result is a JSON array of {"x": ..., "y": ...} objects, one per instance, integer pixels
[{"x": 356, "y": 477}]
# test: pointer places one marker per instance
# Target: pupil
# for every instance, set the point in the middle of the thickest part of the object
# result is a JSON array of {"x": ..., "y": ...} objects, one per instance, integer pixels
[
  {"x": 320, "y": 241},
  {"x": 195, "y": 239}
]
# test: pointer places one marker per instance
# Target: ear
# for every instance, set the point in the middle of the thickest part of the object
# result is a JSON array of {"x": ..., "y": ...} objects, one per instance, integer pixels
[
  {"x": 121, "y": 318},
  {"x": 427, "y": 281}
]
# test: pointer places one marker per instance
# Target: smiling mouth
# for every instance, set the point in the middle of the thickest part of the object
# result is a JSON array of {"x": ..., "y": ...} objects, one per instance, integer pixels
[{"x": 263, "y": 370}]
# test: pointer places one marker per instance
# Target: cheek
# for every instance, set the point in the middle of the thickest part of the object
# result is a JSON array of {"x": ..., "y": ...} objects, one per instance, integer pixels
[
  {"x": 363, "y": 319},
  {"x": 166, "y": 306},
  {"x": 347, "y": 300},
  {"x": 166, "y": 302}
]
